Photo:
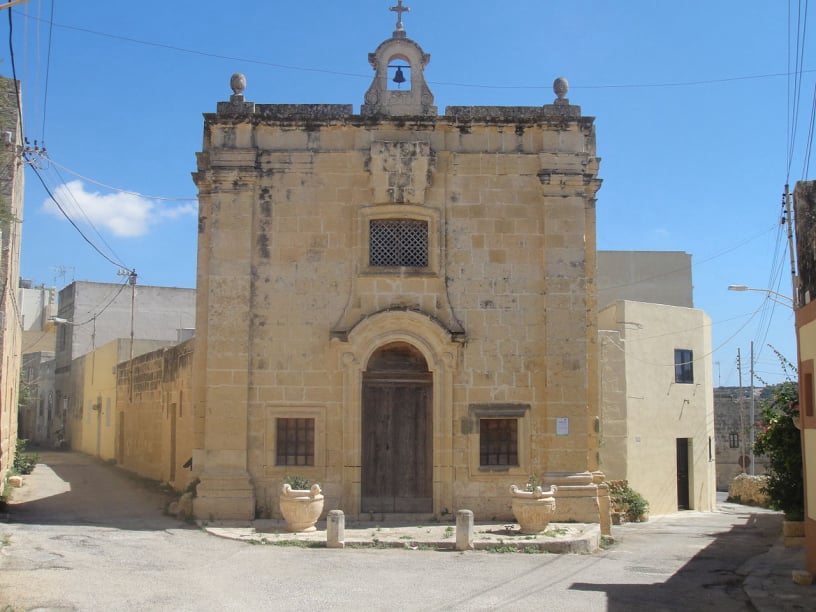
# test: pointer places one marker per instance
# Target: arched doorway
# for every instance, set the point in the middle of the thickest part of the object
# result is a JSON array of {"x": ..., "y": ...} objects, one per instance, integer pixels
[{"x": 397, "y": 453}]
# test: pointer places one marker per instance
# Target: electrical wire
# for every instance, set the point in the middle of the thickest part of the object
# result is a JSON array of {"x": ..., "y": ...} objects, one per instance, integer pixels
[
  {"x": 431, "y": 82},
  {"x": 78, "y": 207},
  {"x": 118, "y": 264},
  {"x": 47, "y": 74},
  {"x": 693, "y": 265},
  {"x": 125, "y": 191}
]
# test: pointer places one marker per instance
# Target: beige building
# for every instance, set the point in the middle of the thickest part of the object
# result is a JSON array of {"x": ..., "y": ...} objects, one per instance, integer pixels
[
  {"x": 94, "y": 428},
  {"x": 92, "y": 314},
  {"x": 657, "y": 406},
  {"x": 397, "y": 304},
  {"x": 11, "y": 213}
]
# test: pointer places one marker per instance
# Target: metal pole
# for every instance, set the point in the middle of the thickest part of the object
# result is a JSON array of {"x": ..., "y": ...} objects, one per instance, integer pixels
[{"x": 753, "y": 421}]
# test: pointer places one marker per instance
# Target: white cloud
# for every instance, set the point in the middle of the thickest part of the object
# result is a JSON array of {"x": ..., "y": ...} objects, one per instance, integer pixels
[{"x": 125, "y": 215}]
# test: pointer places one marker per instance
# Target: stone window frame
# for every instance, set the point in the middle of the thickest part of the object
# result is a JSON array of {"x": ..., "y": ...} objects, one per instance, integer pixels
[
  {"x": 289, "y": 411},
  {"x": 472, "y": 425},
  {"x": 405, "y": 212},
  {"x": 684, "y": 366}
]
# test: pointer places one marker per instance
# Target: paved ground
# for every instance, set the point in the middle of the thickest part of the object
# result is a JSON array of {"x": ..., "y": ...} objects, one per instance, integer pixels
[{"x": 83, "y": 535}]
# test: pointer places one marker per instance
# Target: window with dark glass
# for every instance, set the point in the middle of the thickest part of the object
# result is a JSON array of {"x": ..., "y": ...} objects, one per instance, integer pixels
[
  {"x": 733, "y": 440},
  {"x": 398, "y": 243},
  {"x": 295, "y": 441},
  {"x": 683, "y": 366},
  {"x": 498, "y": 442}
]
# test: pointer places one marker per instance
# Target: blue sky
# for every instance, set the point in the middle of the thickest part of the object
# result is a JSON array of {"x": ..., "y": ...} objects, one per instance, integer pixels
[{"x": 693, "y": 113}]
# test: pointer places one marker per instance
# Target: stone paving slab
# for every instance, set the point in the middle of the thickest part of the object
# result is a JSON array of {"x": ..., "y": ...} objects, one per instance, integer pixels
[{"x": 577, "y": 538}]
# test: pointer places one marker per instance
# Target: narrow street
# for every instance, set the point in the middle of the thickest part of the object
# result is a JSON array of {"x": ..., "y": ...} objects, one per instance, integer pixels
[{"x": 84, "y": 535}]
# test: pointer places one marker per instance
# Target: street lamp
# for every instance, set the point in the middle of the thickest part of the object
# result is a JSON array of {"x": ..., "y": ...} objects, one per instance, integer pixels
[{"x": 774, "y": 296}]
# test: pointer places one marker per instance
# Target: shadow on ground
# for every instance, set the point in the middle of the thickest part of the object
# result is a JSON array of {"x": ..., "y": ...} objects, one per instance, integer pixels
[
  {"x": 74, "y": 489},
  {"x": 711, "y": 580}
]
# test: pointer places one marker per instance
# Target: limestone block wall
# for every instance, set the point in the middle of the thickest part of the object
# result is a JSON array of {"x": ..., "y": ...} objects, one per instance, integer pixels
[
  {"x": 732, "y": 420},
  {"x": 290, "y": 307},
  {"x": 154, "y": 420}
]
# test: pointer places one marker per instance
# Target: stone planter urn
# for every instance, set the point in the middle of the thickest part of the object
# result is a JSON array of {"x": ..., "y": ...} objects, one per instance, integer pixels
[
  {"x": 533, "y": 509},
  {"x": 301, "y": 507}
]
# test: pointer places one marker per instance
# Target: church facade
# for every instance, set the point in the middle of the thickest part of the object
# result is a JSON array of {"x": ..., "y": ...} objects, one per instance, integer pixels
[{"x": 396, "y": 304}]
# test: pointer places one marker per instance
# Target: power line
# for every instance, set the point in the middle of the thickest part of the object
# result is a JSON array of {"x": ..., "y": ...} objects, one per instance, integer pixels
[
  {"x": 71, "y": 221},
  {"x": 47, "y": 73},
  {"x": 233, "y": 58},
  {"x": 106, "y": 186}
]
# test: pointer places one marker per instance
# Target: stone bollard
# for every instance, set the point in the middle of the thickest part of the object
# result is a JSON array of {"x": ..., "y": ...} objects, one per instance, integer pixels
[
  {"x": 464, "y": 530},
  {"x": 336, "y": 529}
]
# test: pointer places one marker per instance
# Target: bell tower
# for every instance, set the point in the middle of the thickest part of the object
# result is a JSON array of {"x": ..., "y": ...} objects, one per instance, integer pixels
[{"x": 399, "y": 88}]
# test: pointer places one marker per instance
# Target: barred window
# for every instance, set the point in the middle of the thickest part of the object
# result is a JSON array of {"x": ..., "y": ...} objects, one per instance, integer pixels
[
  {"x": 295, "y": 441},
  {"x": 498, "y": 442},
  {"x": 398, "y": 242}
]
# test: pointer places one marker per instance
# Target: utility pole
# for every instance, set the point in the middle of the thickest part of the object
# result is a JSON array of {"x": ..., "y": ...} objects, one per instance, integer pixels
[
  {"x": 741, "y": 413},
  {"x": 753, "y": 421},
  {"x": 132, "y": 276},
  {"x": 789, "y": 220}
]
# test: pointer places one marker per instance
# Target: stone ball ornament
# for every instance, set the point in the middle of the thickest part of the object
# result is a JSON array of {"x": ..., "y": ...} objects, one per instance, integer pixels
[
  {"x": 561, "y": 87},
  {"x": 238, "y": 83}
]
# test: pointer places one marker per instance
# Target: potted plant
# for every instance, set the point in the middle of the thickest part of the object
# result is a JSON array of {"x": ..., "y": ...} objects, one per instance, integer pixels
[
  {"x": 532, "y": 506},
  {"x": 300, "y": 504}
]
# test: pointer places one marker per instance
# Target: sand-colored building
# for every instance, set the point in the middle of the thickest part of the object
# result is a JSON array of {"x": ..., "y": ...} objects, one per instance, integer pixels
[
  {"x": 397, "y": 304},
  {"x": 11, "y": 213},
  {"x": 804, "y": 198},
  {"x": 657, "y": 405}
]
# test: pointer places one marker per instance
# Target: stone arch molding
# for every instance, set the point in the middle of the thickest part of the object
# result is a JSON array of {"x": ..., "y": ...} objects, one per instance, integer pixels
[
  {"x": 429, "y": 336},
  {"x": 441, "y": 354}
]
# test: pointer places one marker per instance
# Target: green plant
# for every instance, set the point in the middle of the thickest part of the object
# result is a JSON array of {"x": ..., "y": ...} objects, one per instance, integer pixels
[
  {"x": 448, "y": 532},
  {"x": 298, "y": 483},
  {"x": 626, "y": 501},
  {"x": 532, "y": 482},
  {"x": 24, "y": 462},
  {"x": 779, "y": 439}
]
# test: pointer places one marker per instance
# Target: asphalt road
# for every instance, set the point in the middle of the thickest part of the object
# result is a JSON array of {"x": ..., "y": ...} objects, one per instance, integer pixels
[{"x": 83, "y": 535}]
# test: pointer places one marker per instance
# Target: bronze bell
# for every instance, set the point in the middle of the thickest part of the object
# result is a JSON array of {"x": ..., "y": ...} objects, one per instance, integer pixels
[{"x": 399, "y": 78}]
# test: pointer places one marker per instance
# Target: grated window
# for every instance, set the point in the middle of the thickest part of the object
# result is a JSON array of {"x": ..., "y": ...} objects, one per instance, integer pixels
[
  {"x": 398, "y": 242},
  {"x": 498, "y": 442},
  {"x": 295, "y": 442}
]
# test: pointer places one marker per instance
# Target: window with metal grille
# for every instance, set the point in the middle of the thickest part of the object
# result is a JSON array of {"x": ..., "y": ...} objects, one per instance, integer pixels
[
  {"x": 398, "y": 242},
  {"x": 295, "y": 441},
  {"x": 683, "y": 366},
  {"x": 498, "y": 442},
  {"x": 733, "y": 440}
]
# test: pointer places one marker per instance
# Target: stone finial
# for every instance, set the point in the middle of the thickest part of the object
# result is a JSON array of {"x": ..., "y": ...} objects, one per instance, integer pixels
[
  {"x": 238, "y": 84},
  {"x": 561, "y": 87},
  {"x": 236, "y": 104}
]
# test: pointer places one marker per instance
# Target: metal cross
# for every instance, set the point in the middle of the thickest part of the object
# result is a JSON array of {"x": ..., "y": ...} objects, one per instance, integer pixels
[{"x": 399, "y": 10}]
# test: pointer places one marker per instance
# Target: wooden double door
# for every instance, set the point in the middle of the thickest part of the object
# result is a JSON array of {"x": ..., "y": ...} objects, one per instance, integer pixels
[{"x": 397, "y": 449}]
